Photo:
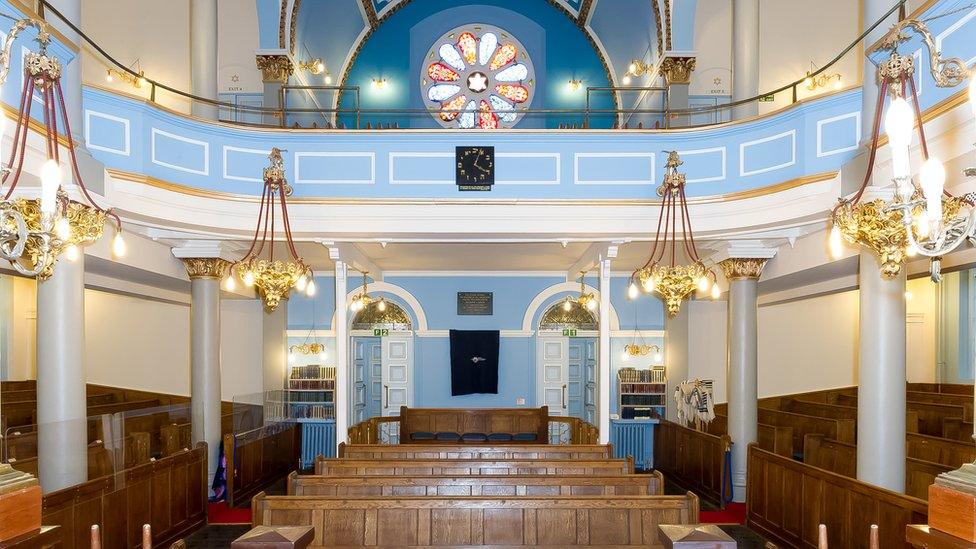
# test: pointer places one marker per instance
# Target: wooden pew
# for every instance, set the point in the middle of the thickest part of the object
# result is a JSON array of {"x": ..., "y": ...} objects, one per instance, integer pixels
[
  {"x": 258, "y": 458},
  {"x": 930, "y": 415},
  {"x": 441, "y": 467},
  {"x": 692, "y": 459},
  {"x": 789, "y": 499},
  {"x": 963, "y": 389},
  {"x": 475, "y": 521},
  {"x": 775, "y": 439},
  {"x": 838, "y": 429},
  {"x": 834, "y": 411},
  {"x": 510, "y": 421},
  {"x": 955, "y": 428},
  {"x": 920, "y": 474},
  {"x": 939, "y": 450},
  {"x": 465, "y": 451},
  {"x": 489, "y": 485},
  {"x": 966, "y": 401}
]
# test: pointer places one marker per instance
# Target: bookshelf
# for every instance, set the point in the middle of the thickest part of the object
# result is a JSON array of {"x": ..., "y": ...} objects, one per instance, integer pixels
[
  {"x": 642, "y": 393},
  {"x": 310, "y": 394}
]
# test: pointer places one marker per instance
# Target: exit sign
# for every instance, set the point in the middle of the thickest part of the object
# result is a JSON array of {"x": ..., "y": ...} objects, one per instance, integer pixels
[
  {"x": 569, "y": 332},
  {"x": 381, "y": 332}
]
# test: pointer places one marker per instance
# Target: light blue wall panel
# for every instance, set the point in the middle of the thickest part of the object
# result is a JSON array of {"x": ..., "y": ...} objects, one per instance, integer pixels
[
  {"x": 300, "y": 307},
  {"x": 516, "y": 375}
]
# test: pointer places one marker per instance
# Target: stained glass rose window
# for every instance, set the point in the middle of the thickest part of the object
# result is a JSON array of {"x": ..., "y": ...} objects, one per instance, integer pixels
[{"x": 477, "y": 76}]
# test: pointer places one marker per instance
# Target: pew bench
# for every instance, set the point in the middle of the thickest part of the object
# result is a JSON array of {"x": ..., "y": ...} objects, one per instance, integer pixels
[
  {"x": 428, "y": 467},
  {"x": 476, "y": 485},
  {"x": 465, "y": 451},
  {"x": 595, "y": 521},
  {"x": 837, "y": 429},
  {"x": 478, "y": 426}
]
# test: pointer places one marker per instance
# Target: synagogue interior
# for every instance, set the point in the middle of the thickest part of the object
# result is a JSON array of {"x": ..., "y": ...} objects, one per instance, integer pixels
[{"x": 253, "y": 305}]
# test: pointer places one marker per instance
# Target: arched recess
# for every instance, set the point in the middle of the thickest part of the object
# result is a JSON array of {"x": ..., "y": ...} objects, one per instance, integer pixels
[
  {"x": 540, "y": 300},
  {"x": 557, "y": 317},
  {"x": 405, "y": 297},
  {"x": 389, "y": 315}
]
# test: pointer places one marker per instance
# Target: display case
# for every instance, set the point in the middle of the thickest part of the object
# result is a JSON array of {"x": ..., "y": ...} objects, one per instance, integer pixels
[{"x": 642, "y": 393}]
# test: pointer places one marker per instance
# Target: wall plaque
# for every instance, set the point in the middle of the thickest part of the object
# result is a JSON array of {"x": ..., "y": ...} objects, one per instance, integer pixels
[{"x": 474, "y": 303}]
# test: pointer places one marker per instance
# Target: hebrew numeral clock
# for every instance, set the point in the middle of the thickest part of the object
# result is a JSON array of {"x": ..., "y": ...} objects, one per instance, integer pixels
[{"x": 475, "y": 168}]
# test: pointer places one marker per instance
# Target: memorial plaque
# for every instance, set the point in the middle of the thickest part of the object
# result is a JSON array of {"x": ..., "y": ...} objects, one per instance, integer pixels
[{"x": 474, "y": 303}]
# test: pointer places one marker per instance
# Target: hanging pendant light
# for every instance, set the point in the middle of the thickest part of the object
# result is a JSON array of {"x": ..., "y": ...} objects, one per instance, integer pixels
[
  {"x": 35, "y": 232},
  {"x": 662, "y": 274},
  {"x": 273, "y": 278},
  {"x": 587, "y": 300},
  {"x": 362, "y": 300}
]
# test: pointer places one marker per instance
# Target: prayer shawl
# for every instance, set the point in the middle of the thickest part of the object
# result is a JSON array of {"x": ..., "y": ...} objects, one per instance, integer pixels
[
  {"x": 474, "y": 361},
  {"x": 694, "y": 402}
]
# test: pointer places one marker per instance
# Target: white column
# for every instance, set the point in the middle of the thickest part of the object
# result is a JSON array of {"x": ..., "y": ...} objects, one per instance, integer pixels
[
  {"x": 603, "y": 383},
  {"x": 881, "y": 377},
  {"x": 745, "y": 56},
  {"x": 203, "y": 55},
  {"x": 742, "y": 374},
  {"x": 62, "y": 444},
  {"x": 205, "y": 275},
  {"x": 341, "y": 354},
  {"x": 275, "y": 336},
  {"x": 71, "y": 73},
  {"x": 872, "y": 10}
]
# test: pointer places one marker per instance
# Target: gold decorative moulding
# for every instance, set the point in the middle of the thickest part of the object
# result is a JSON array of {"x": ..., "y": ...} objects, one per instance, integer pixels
[
  {"x": 273, "y": 279},
  {"x": 742, "y": 268},
  {"x": 673, "y": 284},
  {"x": 87, "y": 225},
  {"x": 206, "y": 267}
]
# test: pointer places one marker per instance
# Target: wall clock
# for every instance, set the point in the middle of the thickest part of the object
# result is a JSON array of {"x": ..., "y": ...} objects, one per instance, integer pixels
[{"x": 475, "y": 168}]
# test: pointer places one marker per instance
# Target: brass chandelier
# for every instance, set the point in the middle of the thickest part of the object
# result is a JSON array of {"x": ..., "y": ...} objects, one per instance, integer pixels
[
  {"x": 673, "y": 282},
  {"x": 34, "y": 232},
  {"x": 587, "y": 300},
  {"x": 362, "y": 300},
  {"x": 274, "y": 278},
  {"x": 918, "y": 219}
]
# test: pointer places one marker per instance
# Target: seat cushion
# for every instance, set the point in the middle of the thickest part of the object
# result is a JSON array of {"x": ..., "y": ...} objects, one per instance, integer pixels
[
  {"x": 525, "y": 437},
  {"x": 474, "y": 437},
  {"x": 500, "y": 437},
  {"x": 421, "y": 435},
  {"x": 447, "y": 435}
]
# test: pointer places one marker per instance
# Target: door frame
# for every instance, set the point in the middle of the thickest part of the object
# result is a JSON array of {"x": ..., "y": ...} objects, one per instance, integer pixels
[
  {"x": 407, "y": 336},
  {"x": 547, "y": 335}
]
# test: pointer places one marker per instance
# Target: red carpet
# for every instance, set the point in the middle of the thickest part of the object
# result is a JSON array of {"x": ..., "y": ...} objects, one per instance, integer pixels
[
  {"x": 734, "y": 513},
  {"x": 220, "y": 513}
]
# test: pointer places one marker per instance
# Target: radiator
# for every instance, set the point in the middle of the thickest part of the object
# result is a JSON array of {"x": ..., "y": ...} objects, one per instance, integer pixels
[
  {"x": 318, "y": 438},
  {"x": 633, "y": 438}
]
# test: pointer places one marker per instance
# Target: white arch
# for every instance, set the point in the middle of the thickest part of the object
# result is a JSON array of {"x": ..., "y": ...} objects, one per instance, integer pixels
[
  {"x": 541, "y": 298},
  {"x": 380, "y": 286}
]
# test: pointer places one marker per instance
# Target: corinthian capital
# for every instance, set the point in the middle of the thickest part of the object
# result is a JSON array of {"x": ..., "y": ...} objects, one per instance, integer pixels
[
  {"x": 275, "y": 68},
  {"x": 677, "y": 70}
]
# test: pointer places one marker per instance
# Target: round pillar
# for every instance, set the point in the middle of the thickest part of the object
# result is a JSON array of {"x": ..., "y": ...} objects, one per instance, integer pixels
[
  {"x": 203, "y": 56},
  {"x": 745, "y": 56}
]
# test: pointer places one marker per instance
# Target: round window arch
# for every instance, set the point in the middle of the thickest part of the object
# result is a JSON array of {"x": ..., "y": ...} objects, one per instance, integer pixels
[
  {"x": 477, "y": 76},
  {"x": 392, "y": 318},
  {"x": 577, "y": 317}
]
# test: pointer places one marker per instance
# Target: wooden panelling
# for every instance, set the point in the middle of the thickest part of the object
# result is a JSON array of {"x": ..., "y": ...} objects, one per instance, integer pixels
[
  {"x": 775, "y": 439},
  {"x": 966, "y": 401},
  {"x": 834, "y": 411},
  {"x": 258, "y": 458},
  {"x": 939, "y": 450},
  {"x": 956, "y": 428},
  {"x": 488, "y": 485},
  {"x": 947, "y": 388},
  {"x": 788, "y": 500},
  {"x": 930, "y": 415},
  {"x": 476, "y": 420},
  {"x": 692, "y": 459},
  {"x": 467, "y": 521},
  {"x": 442, "y": 467},
  {"x": 837, "y": 429},
  {"x": 475, "y": 451},
  {"x": 170, "y": 494}
]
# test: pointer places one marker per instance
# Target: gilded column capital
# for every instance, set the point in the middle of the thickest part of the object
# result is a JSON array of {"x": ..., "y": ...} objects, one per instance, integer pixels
[
  {"x": 275, "y": 68},
  {"x": 743, "y": 268},
  {"x": 206, "y": 267},
  {"x": 677, "y": 70}
]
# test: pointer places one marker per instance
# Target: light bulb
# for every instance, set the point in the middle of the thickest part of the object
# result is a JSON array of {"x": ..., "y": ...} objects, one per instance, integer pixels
[
  {"x": 911, "y": 251},
  {"x": 626, "y": 80},
  {"x": 108, "y": 76},
  {"x": 356, "y": 305},
  {"x": 62, "y": 228},
  {"x": 320, "y": 67},
  {"x": 567, "y": 305},
  {"x": 657, "y": 357},
  {"x": 909, "y": 295},
  {"x": 632, "y": 68},
  {"x": 933, "y": 176},
  {"x": 716, "y": 291},
  {"x": 118, "y": 245},
  {"x": 901, "y": 166},
  {"x": 922, "y": 224},
  {"x": 229, "y": 283},
  {"x": 808, "y": 82},
  {"x": 591, "y": 304},
  {"x": 310, "y": 287},
  {"x": 624, "y": 355},
  {"x": 381, "y": 305},
  {"x": 836, "y": 242},
  {"x": 291, "y": 357},
  {"x": 51, "y": 177},
  {"x": 248, "y": 278},
  {"x": 328, "y": 79},
  {"x": 838, "y": 84},
  {"x": 71, "y": 252},
  {"x": 648, "y": 284},
  {"x": 633, "y": 291},
  {"x": 322, "y": 355},
  {"x": 301, "y": 283},
  {"x": 899, "y": 122},
  {"x": 703, "y": 283}
]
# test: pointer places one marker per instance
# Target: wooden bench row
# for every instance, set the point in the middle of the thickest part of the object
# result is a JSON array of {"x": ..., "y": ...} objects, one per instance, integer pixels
[
  {"x": 472, "y": 451},
  {"x": 448, "y": 467}
]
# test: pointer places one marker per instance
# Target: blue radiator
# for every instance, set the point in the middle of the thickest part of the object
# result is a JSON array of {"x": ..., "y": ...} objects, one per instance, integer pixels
[
  {"x": 318, "y": 438},
  {"x": 634, "y": 437}
]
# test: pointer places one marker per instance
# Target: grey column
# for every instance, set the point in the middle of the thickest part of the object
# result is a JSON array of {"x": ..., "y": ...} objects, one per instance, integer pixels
[
  {"x": 71, "y": 73},
  {"x": 62, "y": 444},
  {"x": 203, "y": 55},
  {"x": 275, "y": 333},
  {"x": 745, "y": 56},
  {"x": 341, "y": 352},
  {"x": 205, "y": 275},
  {"x": 872, "y": 11},
  {"x": 881, "y": 377},
  {"x": 742, "y": 373}
]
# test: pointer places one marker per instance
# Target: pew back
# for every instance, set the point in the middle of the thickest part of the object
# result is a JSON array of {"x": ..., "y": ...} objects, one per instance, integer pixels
[
  {"x": 692, "y": 459},
  {"x": 930, "y": 414},
  {"x": 476, "y": 420},
  {"x": 838, "y": 429},
  {"x": 427, "y": 467},
  {"x": 474, "y": 451}
]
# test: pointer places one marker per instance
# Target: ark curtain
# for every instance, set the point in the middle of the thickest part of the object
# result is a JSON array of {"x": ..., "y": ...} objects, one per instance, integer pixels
[{"x": 474, "y": 361}]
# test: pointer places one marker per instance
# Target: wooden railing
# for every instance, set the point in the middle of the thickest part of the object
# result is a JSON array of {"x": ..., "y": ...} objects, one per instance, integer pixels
[
  {"x": 789, "y": 499},
  {"x": 260, "y": 457},
  {"x": 386, "y": 430},
  {"x": 692, "y": 459},
  {"x": 169, "y": 494}
]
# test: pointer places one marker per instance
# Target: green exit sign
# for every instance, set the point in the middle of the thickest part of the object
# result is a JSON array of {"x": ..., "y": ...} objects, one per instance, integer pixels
[
  {"x": 569, "y": 332},
  {"x": 767, "y": 99},
  {"x": 381, "y": 332}
]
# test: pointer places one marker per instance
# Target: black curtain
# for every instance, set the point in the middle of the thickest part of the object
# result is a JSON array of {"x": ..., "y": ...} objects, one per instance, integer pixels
[{"x": 474, "y": 361}]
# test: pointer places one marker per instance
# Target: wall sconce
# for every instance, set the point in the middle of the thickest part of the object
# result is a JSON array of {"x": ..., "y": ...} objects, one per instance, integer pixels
[
  {"x": 316, "y": 66},
  {"x": 636, "y": 68},
  {"x": 574, "y": 85},
  {"x": 378, "y": 84},
  {"x": 111, "y": 75},
  {"x": 635, "y": 350},
  {"x": 822, "y": 80}
]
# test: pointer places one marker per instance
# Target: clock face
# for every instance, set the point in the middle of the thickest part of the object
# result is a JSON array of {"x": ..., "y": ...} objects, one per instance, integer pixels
[{"x": 475, "y": 167}]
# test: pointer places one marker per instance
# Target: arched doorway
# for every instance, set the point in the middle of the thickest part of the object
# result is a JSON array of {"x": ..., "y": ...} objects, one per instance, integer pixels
[
  {"x": 566, "y": 355},
  {"x": 381, "y": 372}
]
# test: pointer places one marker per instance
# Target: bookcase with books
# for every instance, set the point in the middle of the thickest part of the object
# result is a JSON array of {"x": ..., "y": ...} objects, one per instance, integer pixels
[
  {"x": 642, "y": 393},
  {"x": 309, "y": 396}
]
